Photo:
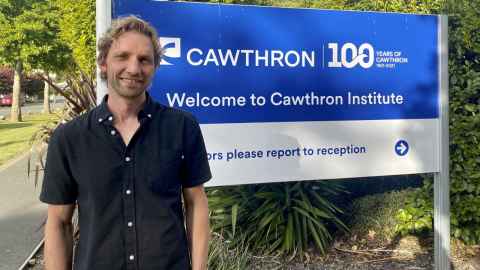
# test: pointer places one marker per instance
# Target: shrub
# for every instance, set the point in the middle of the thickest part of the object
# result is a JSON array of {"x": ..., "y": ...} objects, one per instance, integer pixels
[
  {"x": 283, "y": 217},
  {"x": 30, "y": 85},
  {"x": 6, "y": 80},
  {"x": 417, "y": 214},
  {"x": 376, "y": 213},
  {"x": 222, "y": 257}
]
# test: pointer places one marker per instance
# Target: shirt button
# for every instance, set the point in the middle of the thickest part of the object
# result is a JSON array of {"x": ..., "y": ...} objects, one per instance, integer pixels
[
  {"x": 131, "y": 258},
  {"x": 100, "y": 120},
  {"x": 127, "y": 159},
  {"x": 113, "y": 132},
  {"x": 110, "y": 118},
  {"x": 149, "y": 115},
  {"x": 128, "y": 192},
  {"x": 130, "y": 224}
]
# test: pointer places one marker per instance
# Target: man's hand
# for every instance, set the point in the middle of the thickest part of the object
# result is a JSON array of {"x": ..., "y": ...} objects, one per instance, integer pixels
[
  {"x": 58, "y": 237},
  {"x": 196, "y": 206}
]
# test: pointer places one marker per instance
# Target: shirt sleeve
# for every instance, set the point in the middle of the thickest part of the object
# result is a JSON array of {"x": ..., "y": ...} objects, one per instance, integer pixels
[
  {"x": 58, "y": 185},
  {"x": 194, "y": 169}
]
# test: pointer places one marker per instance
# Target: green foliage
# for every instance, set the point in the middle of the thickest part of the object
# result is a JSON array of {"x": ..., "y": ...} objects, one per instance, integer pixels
[
  {"x": 419, "y": 7},
  {"x": 417, "y": 214},
  {"x": 46, "y": 34},
  {"x": 28, "y": 42},
  {"x": 465, "y": 150},
  {"x": 284, "y": 217},
  {"x": 422, "y": 7},
  {"x": 464, "y": 25},
  {"x": 77, "y": 30},
  {"x": 28, "y": 29}
]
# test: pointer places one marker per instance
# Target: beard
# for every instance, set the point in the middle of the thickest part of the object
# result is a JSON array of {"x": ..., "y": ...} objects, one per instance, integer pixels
[{"x": 129, "y": 89}]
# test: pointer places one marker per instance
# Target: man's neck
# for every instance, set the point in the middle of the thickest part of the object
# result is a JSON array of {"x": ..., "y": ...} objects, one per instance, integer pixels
[{"x": 124, "y": 109}]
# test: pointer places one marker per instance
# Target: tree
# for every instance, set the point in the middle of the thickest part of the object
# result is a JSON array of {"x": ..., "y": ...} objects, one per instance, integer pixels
[
  {"x": 28, "y": 29},
  {"x": 46, "y": 98},
  {"x": 77, "y": 30}
]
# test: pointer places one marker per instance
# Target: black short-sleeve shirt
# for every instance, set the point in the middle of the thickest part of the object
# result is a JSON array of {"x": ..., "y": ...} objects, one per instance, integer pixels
[{"x": 129, "y": 197}]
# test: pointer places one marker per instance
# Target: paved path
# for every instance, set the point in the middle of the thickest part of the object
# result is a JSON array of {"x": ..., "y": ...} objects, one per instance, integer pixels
[{"x": 21, "y": 214}]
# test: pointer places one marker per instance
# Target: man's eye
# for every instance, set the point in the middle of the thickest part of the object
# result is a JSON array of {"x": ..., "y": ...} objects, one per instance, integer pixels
[{"x": 146, "y": 61}]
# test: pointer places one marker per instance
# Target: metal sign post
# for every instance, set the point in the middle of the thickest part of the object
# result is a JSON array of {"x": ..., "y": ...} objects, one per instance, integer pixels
[
  {"x": 441, "y": 211},
  {"x": 103, "y": 20}
]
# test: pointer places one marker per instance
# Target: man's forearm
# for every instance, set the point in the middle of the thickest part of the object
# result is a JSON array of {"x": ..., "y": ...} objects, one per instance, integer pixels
[
  {"x": 198, "y": 233},
  {"x": 58, "y": 246}
]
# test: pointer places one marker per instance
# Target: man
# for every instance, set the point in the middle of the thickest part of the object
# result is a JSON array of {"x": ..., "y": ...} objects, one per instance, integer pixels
[{"x": 126, "y": 163}]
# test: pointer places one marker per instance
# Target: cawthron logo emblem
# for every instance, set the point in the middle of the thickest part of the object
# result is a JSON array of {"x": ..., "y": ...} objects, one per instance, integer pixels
[{"x": 169, "y": 50}]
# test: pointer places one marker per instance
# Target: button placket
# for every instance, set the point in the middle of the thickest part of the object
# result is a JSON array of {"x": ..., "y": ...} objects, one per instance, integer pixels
[
  {"x": 130, "y": 237},
  {"x": 129, "y": 209}
]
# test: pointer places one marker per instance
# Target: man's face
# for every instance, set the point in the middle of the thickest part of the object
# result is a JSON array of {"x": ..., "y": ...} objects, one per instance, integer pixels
[{"x": 129, "y": 65}]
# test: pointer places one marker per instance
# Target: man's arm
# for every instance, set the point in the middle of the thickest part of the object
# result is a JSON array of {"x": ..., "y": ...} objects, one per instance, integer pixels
[
  {"x": 196, "y": 206},
  {"x": 58, "y": 237}
]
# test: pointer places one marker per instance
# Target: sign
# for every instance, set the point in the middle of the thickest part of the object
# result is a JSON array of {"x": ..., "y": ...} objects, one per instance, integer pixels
[
  {"x": 296, "y": 94},
  {"x": 401, "y": 148}
]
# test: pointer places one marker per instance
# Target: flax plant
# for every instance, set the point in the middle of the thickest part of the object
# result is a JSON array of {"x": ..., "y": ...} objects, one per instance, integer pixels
[{"x": 277, "y": 218}]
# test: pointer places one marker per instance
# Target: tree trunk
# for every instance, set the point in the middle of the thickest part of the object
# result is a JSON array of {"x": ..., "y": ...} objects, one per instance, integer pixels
[
  {"x": 46, "y": 98},
  {"x": 16, "y": 111}
]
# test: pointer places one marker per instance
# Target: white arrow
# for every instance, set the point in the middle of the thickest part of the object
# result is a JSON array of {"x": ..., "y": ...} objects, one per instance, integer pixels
[{"x": 402, "y": 148}]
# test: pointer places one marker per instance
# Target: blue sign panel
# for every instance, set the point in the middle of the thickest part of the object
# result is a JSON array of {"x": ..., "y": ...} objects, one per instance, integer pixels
[{"x": 249, "y": 64}]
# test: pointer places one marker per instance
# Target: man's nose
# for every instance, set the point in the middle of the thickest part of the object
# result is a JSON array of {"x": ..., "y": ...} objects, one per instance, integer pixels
[{"x": 133, "y": 66}]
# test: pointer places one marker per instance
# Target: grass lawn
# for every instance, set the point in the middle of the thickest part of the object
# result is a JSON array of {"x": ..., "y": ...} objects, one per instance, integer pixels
[{"x": 15, "y": 137}]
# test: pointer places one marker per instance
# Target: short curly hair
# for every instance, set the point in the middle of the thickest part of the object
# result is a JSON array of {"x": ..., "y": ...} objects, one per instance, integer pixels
[{"x": 123, "y": 25}]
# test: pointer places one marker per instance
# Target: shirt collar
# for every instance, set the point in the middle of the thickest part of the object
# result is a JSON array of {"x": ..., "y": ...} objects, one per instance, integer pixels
[
  {"x": 104, "y": 115},
  {"x": 148, "y": 108}
]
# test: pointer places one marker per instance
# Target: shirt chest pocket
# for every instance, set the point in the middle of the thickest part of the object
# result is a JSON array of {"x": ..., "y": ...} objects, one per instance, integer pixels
[{"x": 164, "y": 171}]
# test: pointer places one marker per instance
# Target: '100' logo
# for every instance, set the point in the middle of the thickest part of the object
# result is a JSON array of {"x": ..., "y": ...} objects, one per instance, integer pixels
[{"x": 362, "y": 55}]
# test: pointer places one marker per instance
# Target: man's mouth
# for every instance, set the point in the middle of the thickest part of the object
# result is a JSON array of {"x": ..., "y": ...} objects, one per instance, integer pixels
[{"x": 131, "y": 80}]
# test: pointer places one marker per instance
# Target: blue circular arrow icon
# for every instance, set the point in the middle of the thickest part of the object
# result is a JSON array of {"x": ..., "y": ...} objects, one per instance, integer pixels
[{"x": 401, "y": 148}]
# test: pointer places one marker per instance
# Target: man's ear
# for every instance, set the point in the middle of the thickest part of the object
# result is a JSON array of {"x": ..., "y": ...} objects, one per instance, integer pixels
[{"x": 103, "y": 66}]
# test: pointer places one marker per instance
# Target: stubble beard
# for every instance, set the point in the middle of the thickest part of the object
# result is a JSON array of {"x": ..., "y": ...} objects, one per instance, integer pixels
[{"x": 123, "y": 91}]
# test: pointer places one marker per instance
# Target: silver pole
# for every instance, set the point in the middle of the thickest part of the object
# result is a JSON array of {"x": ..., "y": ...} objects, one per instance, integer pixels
[
  {"x": 103, "y": 21},
  {"x": 441, "y": 211}
]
